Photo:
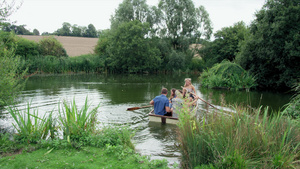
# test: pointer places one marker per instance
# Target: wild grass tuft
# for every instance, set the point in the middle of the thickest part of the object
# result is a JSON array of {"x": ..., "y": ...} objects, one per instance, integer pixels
[
  {"x": 240, "y": 140},
  {"x": 30, "y": 127},
  {"x": 77, "y": 123}
]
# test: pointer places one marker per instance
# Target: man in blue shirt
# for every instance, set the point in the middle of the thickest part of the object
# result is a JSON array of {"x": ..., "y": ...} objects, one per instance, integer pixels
[{"x": 161, "y": 104}]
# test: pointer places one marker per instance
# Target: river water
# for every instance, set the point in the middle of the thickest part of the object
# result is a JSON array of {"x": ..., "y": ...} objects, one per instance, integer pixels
[{"x": 116, "y": 93}]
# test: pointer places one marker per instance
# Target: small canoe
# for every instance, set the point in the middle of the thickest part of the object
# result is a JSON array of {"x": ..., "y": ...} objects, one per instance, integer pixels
[{"x": 168, "y": 119}]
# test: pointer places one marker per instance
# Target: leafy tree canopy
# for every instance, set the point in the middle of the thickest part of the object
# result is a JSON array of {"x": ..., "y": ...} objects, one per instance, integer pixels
[
  {"x": 272, "y": 53},
  {"x": 226, "y": 44},
  {"x": 129, "y": 50}
]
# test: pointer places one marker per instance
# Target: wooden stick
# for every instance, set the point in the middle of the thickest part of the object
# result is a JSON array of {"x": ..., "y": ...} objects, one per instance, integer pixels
[{"x": 136, "y": 108}]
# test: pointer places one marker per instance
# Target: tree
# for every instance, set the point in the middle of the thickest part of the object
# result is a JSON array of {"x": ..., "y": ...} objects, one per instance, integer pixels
[
  {"x": 65, "y": 30},
  {"x": 130, "y": 51},
  {"x": 36, "y": 32},
  {"x": 91, "y": 31},
  {"x": 11, "y": 78},
  {"x": 76, "y": 31},
  {"x": 181, "y": 20},
  {"x": 51, "y": 46},
  {"x": 130, "y": 10},
  {"x": 226, "y": 44},
  {"x": 272, "y": 52},
  {"x": 6, "y": 9}
]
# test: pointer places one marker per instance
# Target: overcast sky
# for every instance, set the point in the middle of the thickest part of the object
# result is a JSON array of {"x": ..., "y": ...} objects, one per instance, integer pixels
[{"x": 48, "y": 15}]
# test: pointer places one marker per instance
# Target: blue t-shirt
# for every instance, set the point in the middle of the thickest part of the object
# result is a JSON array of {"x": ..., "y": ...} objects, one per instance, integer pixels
[{"x": 160, "y": 102}]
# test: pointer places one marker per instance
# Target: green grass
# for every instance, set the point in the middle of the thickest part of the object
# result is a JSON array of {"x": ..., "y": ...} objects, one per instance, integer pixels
[{"x": 87, "y": 157}]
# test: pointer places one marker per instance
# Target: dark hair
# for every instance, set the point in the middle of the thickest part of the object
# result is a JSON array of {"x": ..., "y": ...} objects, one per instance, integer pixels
[
  {"x": 172, "y": 93},
  {"x": 164, "y": 91}
]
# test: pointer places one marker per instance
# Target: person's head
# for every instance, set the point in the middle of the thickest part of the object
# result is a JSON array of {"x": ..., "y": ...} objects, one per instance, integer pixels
[
  {"x": 164, "y": 91},
  {"x": 188, "y": 81},
  {"x": 173, "y": 91}
]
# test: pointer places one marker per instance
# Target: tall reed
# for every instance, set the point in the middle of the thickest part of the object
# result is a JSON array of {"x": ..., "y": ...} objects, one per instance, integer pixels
[
  {"x": 239, "y": 140},
  {"x": 30, "y": 127},
  {"x": 77, "y": 123}
]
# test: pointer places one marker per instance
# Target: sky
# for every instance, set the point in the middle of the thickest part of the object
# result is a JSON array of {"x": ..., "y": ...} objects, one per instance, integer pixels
[{"x": 49, "y": 15}]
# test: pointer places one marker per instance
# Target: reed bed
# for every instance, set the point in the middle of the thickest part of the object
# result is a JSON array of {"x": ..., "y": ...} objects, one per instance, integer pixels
[{"x": 239, "y": 140}]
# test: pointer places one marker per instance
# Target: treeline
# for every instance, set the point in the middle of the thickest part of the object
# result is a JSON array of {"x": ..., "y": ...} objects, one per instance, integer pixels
[
  {"x": 150, "y": 39},
  {"x": 66, "y": 30}
]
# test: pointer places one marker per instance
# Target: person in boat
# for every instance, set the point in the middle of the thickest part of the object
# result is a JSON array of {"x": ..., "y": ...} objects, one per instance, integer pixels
[
  {"x": 188, "y": 88},
  {"x": 172, "y": 96},
  {"x": 179, "y": 101},
  {"x": 161, "y": 104}
]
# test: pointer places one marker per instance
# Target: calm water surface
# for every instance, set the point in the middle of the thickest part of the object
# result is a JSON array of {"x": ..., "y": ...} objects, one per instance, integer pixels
[{"x": 116, "y": 93}]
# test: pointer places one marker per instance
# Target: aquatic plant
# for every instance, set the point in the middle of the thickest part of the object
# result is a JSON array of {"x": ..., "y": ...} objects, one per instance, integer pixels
[
  {"x": 30, "y": 127},
  {"x": 76, "y": 123}
]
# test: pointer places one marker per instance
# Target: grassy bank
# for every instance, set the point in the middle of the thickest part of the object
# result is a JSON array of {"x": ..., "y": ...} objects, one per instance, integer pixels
[
  {"x": 245, "y": 139},
  {"x": 38, "y": 142}
]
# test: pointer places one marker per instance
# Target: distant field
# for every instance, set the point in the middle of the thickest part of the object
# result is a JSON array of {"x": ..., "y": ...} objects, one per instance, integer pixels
[{"x": 75, "y": 46}]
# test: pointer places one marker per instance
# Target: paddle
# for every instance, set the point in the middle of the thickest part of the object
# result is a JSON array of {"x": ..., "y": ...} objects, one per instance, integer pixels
[
  {"x": 136, "y": 108},
  {"x": 206, "y": 102}
]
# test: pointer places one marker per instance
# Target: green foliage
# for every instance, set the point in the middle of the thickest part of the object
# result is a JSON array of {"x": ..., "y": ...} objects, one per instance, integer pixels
[
  {"x": 51, "y": 46},
  {"x": 183, "y": 20},
  {"x": 75, "y": 30},
  {"x": 197, "y": 64},
  {"x": 227, "y": 75},
  {"x": 176, "y": 61},
  {"x": 243, "y": 139},
  {"x": 129, "y": 50},
  {"x": 11, "y": 77},
  {"x": 30, "y": 127},
  {"x": 272, "y": 52},
  {"x": 293, "y": 107},
  {"x": 26, "y": 48},
  {"x": 226, "y": 44},
  {"x": 77, "y": 123},
  {"x": 52, "y": 64}
]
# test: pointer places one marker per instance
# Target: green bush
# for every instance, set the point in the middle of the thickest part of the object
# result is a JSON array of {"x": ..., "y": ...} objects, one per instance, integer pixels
[
  {"x": 51, "y": 46},
  {"x": 227, "y": 75},
  {"x": 26, "y": 48}
]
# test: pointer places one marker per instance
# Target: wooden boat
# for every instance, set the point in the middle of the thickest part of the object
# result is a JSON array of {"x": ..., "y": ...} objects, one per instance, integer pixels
[{"x": 169, "y": 119}]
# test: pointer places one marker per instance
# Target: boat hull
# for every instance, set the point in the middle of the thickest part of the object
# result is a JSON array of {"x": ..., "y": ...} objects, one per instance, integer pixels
[
  {"x": 162, "y": 119},
  {"x": 168, "y": 119}
]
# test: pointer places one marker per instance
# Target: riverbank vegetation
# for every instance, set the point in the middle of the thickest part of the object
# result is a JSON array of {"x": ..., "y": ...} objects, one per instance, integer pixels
[
  {"x": 151, "y": 39},
  {"x": 44, "y": 141},
  {"x": 245, "y": 138},
  {"x": 227, "y": 75}
]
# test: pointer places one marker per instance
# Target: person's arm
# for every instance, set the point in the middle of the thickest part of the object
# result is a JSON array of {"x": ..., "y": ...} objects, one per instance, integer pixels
[
  {"x": 168, "y": 109},
  {"x": 193, "y": 88},
  {"x": 152, "y": 102}
]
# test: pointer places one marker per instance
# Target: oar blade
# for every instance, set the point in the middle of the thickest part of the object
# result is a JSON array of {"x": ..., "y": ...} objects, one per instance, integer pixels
[{"x": 133, "y": 108}]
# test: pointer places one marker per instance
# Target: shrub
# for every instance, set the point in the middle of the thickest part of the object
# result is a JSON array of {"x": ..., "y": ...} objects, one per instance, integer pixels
[
  {"x": 11, "y": 77},
  {"x": 51, "y": 46},
  {"x": 26, "y": 48},
  {"x": 227, "y": 75}
]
